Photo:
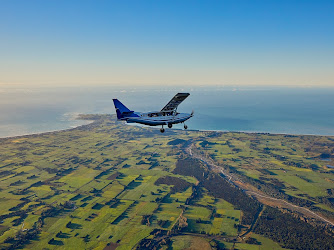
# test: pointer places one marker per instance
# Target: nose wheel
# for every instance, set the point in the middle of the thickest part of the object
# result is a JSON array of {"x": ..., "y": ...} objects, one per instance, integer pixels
[
  {"x": 162, "y": 129},
  {"x": 185, "y": 126}
]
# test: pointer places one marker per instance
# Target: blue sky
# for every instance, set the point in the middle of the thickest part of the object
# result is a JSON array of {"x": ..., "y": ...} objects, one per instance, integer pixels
[{"x": 189, "y": 42}]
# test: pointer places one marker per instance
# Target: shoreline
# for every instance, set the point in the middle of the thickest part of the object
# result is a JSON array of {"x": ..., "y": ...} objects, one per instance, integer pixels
[
  {"x": 47, "y": 132},
  {"x": 263, "y": 133},
  {"x": 231, "y": 131},
  {"x": 90, "y": 122}
]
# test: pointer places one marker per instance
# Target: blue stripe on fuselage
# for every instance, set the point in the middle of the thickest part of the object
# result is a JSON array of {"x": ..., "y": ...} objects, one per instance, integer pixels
[{"x": 156, "y": 122}]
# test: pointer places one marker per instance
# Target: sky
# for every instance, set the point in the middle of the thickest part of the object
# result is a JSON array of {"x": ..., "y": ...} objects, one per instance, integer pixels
[{"x": 167, "y": 42}]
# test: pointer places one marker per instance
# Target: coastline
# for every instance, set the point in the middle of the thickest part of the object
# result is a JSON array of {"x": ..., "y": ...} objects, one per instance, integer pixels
[
  {"x": 95, "y": 118},
  {"x": 89, "y": 122},
  {"x": 261, "y": 133}
]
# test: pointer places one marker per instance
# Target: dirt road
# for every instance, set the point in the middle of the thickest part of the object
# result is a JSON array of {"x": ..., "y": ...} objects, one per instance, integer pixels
[{"x": 252, "y": 191}]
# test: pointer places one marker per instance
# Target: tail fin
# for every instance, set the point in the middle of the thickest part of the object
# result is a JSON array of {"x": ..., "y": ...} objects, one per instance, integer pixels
[{"x": 121, "y": 110}]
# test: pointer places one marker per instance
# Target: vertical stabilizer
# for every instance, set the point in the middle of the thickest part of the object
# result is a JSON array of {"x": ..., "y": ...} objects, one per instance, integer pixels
[{"x": 121, "y": 111}]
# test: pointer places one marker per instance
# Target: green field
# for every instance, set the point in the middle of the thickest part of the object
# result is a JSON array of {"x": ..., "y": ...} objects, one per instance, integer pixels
[
  {"x": 95, "y": 186},
  {"x": 290, "y": 164}
]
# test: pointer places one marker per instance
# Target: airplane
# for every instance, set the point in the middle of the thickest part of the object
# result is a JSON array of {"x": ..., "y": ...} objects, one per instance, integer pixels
[{"x": 167, "y": 116}]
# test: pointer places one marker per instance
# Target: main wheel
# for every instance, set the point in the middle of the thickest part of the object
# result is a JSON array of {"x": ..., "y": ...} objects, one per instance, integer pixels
[
  {"x": 185, "y": 126},
  {"x": 170, "y": 125},
  {"x": 162, "y": 130}
]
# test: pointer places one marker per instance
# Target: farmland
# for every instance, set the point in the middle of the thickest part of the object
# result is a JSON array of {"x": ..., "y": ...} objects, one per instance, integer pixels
[
  {"x": 294, "y": 168},
  {"x": 108, "y": 185}
]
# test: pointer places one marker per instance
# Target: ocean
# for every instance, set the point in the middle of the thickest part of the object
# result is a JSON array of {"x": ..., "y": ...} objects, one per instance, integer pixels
[{"x": 248, "y": 109}]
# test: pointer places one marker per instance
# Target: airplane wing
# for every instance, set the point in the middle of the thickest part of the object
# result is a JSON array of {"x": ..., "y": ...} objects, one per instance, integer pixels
[{"x": 176, "y": 100}]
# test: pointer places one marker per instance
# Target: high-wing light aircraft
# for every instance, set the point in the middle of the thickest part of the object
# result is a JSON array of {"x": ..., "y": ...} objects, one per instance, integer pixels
[{"x": 167, "y": 116}]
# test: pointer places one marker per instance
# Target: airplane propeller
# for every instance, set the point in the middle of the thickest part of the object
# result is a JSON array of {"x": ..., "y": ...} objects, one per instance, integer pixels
[{"x": 192, "y": 113}]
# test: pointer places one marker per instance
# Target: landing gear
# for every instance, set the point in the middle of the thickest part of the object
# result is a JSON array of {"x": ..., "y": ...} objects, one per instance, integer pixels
[
  {"x": 162, "y": 129},
  {"x": 170, "y": 125},
  {"x": 185, "y": 126}
]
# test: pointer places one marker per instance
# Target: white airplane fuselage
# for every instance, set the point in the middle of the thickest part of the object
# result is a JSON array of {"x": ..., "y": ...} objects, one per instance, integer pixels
[{"x": 159, "y": 118}]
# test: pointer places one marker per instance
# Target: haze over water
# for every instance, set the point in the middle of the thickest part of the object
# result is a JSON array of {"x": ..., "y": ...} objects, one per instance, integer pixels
[{"x": 257, "y": 109}]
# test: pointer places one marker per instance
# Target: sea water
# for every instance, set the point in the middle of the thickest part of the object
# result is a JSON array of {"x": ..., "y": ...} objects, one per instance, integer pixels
[{"x": 30, "y": 110}]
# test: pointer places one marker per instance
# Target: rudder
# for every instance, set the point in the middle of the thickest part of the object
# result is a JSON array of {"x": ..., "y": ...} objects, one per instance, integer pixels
[{"x": 120, "y": 109}]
